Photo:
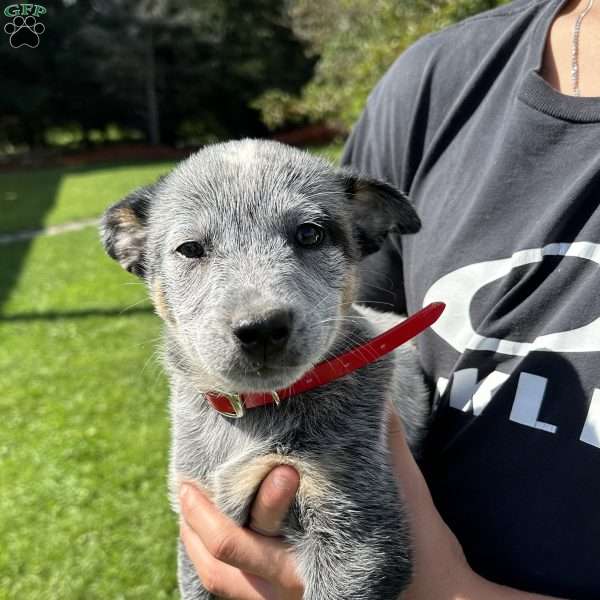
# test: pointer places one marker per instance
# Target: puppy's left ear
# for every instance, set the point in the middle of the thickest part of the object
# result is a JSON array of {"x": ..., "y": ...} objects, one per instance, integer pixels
[{"x": 378, "y": 209}]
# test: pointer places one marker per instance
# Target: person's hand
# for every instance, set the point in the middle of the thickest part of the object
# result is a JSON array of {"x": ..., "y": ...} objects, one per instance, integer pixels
[{"x": 235, "y": 562}]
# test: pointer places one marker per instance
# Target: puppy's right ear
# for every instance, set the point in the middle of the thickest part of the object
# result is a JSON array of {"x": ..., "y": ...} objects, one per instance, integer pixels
[{"x": 123, "y": 229}]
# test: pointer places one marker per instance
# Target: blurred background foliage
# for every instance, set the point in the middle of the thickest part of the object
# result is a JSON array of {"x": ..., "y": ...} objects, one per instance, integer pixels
[
  {"x": 188, "y": 73},
  {"x": 163, "y": 70},
  {"x": 355, "y": 41}
]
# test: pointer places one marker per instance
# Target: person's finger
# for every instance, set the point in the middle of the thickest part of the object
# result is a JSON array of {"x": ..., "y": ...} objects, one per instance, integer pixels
[
  {"x": 268, "y": 558},
  {"x": 273, "y": 501},
  {"x": 219, "y": 578}
]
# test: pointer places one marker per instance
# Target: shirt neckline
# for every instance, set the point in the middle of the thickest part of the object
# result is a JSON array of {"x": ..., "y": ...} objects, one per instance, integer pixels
[{"x": 537, "y": 93}]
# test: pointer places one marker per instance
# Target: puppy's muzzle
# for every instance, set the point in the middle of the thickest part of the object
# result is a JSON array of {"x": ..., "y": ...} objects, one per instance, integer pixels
[{"x": 262, "y": 337}]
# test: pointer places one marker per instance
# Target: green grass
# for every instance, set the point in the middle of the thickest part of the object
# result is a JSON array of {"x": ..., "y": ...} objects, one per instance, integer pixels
[
  {"x": 52, "y": 196},
  {"x": 84, "y": 435}
]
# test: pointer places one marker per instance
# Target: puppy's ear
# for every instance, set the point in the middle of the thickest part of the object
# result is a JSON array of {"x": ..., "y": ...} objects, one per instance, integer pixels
[
  {"x": 378, "y": 208},
  {"x": 123, "y": 229}
]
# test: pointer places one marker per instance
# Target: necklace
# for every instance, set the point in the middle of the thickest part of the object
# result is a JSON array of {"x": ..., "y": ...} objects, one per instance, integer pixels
[{"x": 575, "y": 48}]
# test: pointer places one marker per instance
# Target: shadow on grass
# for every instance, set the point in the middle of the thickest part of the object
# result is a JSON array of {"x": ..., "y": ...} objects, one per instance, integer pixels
[
  {"x": 76, "y": 314},
  {"x": 16, "y": 194}
]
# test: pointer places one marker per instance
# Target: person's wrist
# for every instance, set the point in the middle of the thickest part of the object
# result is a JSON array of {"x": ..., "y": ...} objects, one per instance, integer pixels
[
  {"x": 449, "y": 582},
  {"x": 448, "y": 579}
]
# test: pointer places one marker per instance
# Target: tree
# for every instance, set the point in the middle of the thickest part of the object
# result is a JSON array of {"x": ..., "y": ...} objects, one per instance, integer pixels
[
  {"x": 171, "y": 69},
  {"x": 356, "y": 41},
  {"x": 126, "y": 37}
]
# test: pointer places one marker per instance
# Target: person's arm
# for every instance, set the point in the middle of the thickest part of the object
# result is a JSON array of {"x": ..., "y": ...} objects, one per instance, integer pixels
[
  {"x": 441, "y": 571},
  {"x": 235, "y": 562}
]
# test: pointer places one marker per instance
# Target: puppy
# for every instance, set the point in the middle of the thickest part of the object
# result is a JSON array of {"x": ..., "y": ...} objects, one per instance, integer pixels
[{"x": 250, "y": 251}]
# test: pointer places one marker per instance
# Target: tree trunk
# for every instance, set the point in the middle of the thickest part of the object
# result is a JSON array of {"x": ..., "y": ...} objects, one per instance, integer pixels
[{"x": 153, "y": 119}]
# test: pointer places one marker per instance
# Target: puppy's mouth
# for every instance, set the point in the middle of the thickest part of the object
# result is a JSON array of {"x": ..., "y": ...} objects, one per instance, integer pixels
[
  {"x": 241, "y": 367},
  {"x": 266, "y": 377}
]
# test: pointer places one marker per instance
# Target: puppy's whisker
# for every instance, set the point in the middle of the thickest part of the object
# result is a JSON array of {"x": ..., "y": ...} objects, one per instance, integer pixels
[
  {"x": 366, "y": 301},
  {"x": 130, "y": 306}
]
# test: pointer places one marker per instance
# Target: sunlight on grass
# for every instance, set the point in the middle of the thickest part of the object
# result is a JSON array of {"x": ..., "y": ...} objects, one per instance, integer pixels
[
  {"x": 52, "y": 196},
  {"x": 85, "y": 194},
  {"x": 332, "y": 152},
  {"x": 71, "y": 272}
]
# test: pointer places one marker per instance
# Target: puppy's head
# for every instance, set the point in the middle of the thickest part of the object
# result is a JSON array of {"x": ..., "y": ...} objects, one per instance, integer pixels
[{"x": 250, "y": 249}]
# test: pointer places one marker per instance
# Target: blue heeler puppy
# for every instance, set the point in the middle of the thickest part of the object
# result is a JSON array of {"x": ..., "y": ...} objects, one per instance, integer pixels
[{"x": 250, "y": 251}]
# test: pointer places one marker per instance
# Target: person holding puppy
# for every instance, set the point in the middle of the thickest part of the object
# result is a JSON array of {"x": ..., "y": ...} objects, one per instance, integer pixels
[{"x": 492, "y": 127}]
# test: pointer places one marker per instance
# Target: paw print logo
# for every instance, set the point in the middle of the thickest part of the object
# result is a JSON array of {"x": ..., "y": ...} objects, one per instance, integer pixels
[{"x": 24, "y": 31}]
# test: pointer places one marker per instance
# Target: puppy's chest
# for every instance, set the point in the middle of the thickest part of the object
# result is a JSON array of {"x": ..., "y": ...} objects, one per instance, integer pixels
[
  {"x": 205, "y": 443},
  {"x": 328, "y": 432}
]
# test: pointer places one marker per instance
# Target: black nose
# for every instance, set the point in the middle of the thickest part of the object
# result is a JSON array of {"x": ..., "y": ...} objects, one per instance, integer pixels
[{"x": 262, "y": 336}]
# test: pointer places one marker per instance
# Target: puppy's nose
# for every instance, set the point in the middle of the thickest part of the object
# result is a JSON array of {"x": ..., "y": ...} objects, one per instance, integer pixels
[{"x": 262, "y": 336}]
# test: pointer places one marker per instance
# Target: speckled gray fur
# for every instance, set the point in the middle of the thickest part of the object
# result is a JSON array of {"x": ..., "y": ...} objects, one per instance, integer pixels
[{"x": 243, "y": 202}]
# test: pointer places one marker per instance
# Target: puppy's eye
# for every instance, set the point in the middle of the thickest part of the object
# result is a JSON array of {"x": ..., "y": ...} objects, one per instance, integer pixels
[
  {"x": 310, "y": 235},
  {"x": 191, "y": 250}
]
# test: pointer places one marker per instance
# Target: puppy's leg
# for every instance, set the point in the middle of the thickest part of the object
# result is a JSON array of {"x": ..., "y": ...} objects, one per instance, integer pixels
[{"x": 355, "y": 544}]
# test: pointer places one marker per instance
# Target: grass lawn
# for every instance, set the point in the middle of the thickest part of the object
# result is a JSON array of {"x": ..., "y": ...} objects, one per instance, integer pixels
[
  {"x": 83, "y": 402},
  {"x": 57, "y": 195},
  {"x": 84, "y": 438},
  {"x": 333, "y": 152}
]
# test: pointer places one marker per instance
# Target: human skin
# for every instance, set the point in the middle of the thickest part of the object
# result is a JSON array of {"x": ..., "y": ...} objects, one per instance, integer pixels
[
  {"x": 556, "y": 69},
  {"x": 235, "y": 562}
]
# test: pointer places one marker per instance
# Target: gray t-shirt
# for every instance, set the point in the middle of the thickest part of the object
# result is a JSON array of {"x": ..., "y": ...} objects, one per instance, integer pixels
[{"x": 505, "y": 174}]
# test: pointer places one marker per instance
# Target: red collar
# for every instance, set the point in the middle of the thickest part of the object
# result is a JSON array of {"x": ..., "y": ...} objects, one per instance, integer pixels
[{"x": 234, "y": 405}]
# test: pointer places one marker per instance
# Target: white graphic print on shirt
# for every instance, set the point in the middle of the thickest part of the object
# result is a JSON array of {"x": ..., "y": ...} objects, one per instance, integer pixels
[{"x": 458, "y": 288}]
